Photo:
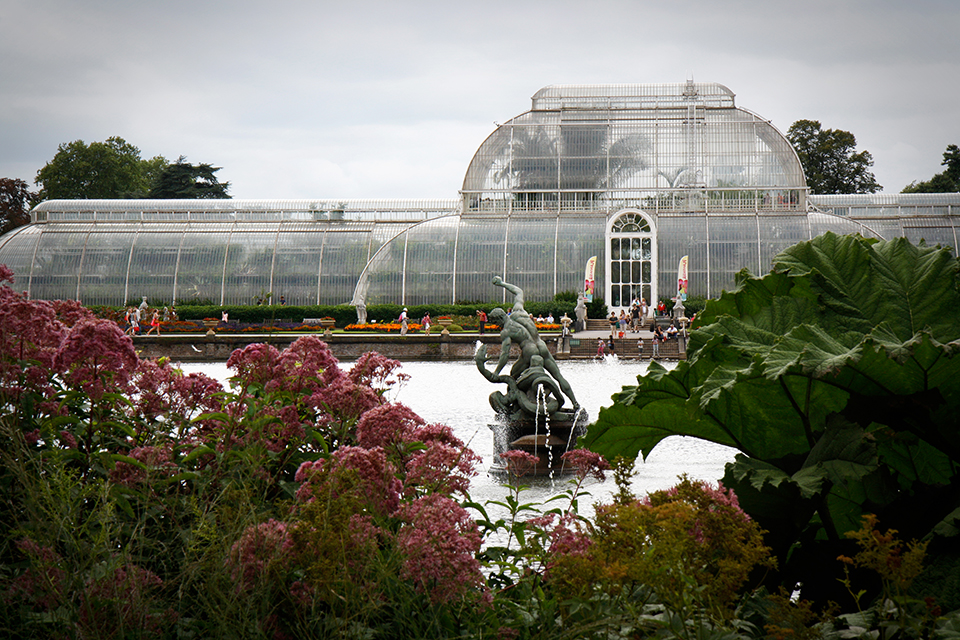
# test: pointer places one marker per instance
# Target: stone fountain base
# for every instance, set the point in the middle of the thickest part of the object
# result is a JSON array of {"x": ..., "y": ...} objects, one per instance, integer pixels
[{"x": 548, "y": 440}]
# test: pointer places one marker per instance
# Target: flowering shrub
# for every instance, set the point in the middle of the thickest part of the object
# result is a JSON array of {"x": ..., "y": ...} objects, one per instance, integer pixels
[
  {"x": 690, "y": 534},
  {"x": 140, "y": 502},
  {"x": 291, "y": 490}
]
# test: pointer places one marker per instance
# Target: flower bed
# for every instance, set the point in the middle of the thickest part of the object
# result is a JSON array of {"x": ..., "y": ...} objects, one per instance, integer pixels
[{"x": 383, "y": 327}]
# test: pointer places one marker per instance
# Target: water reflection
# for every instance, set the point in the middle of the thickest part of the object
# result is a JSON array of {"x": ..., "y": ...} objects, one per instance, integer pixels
[{"x": 455, "y": 394}]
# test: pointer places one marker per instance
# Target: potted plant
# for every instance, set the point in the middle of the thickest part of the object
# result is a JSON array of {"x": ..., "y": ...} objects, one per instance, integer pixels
[
  {"x": 445, "y": 321},
  {"x": 328, "y": 324},
  {"x": 211, "y": 324}
]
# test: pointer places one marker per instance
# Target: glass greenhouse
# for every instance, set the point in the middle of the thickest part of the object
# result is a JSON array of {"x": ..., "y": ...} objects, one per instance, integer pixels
[{"x": 637, "y": 175}]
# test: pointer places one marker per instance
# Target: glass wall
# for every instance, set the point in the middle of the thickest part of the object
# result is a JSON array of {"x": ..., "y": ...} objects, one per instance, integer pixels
[{"x": 714, "y": 181}]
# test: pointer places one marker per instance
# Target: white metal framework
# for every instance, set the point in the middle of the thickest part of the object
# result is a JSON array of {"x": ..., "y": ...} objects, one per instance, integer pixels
[{"x": 620, "y": 171}]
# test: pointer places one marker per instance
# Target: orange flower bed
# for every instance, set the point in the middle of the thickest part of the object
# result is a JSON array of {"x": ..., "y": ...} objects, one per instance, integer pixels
[{"x": 388, "y": 327}]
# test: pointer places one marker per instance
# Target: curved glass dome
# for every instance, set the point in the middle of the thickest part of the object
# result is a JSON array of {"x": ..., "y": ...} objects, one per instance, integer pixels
[{"x": 648, "y": 146}]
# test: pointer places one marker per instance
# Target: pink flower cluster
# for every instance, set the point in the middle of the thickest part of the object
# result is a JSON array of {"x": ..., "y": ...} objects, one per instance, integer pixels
[
  {"x": 439, "y": 541},
  {"x": 261, "y": 548},
  {"x": 96, "y": 356},
  {"x": 309, "y": 375},
  {"x": 355, "y": 471},
  {"x": 519, "y": 463},
  {"x": 387, "y": 426},
  {"x": 161, "y": 390},
  {"x": 707, "y": 497},
  {"x": 30, "y": 334},
  {"x": 404, "y": 469},
  {"x": 567, "y": 537},
  {"x": 303, "y": 368},
  {"x": 445, "y": 465},
  {"x": 157, "y": 460},
  {"x": 586, "y": 463},
  {"x": 374, "y": 370}
]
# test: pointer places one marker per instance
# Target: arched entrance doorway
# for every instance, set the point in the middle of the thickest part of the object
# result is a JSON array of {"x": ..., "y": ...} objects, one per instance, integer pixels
[{"x": 631, "y": 259}]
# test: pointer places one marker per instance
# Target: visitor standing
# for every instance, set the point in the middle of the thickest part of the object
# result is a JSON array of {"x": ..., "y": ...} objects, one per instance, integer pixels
[
  {"x": 635, "y": 316},
  {"x": 613, "y": 323},
  {"x": 129, "y": 318},
  {"x": 482, "y": 315},
  {"x": 600, "y": 347},
  {"x": 657, "y": 339},
  {"x": 623, "y": 322},
  {"x": 426, "y": 324},
  {"x": 640, "y": 348},
  {"x": 403, "y": 322},
  {"x": 155, "y": 323},
  {"x": 612, "y": 346}
]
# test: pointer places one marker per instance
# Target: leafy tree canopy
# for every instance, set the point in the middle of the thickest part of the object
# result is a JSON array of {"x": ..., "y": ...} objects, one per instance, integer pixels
[
  {"x": 189, "y": 181},
  {"x": 829, "y": 161},
  {"x": 110, "y": 169},
  {"x": 15, "y": 199},
  {"x": 836, "y": 376},
  {"x": 944, "y": 182}
]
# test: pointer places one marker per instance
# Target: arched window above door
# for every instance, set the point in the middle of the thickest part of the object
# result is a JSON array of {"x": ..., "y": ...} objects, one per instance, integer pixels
[{"x": 630, "y": 222}]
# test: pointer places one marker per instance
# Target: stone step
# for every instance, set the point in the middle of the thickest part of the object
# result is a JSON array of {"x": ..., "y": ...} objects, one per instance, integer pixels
[{"x": 626, "y": 347}]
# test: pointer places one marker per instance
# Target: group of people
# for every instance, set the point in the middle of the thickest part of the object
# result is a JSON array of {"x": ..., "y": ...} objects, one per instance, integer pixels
[
  {"x": 633, "y": 321},
  {"x": 135, "y": 316},
  {"x": 426, "y": 322}
]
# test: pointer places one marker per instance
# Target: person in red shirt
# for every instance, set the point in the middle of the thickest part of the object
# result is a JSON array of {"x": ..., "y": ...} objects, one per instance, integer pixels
[{"x": 483, "y": 319}]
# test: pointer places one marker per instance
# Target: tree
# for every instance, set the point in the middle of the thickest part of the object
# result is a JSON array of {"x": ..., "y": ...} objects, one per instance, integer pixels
[
  {"x": 110, "y": 169},
  {"x": 944, "y": 182},
  {"x": 829, "y": 160},
  {"x": 15, "y": 198},
  {"x": 189, "y": 181}
]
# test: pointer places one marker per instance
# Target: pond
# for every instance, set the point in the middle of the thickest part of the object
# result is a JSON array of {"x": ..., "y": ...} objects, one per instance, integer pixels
[{"x": 455, "y": 394}]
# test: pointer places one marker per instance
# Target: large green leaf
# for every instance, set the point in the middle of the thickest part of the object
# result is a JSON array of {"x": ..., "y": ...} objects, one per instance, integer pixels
[{"x": 835, "y": 375}]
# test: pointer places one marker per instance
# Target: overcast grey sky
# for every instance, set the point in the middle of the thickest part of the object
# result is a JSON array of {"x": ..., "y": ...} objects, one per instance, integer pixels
[{"x": 365, "y": 99}]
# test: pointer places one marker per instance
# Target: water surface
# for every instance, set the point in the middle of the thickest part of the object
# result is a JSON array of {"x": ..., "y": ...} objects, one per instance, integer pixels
[{"x": 455, "y": 394}]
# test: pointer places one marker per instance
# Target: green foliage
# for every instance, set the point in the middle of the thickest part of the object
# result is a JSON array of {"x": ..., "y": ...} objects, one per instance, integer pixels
[
  {"x": 694, "y": 305},
  {"x": 110, "y": 169},
  {"x": 944, "y": 182},
  {"x": 15, "y": 199},
  {"x": 596, "y": 309},
  {"x": 836, "y": 378},
  {"x": 465, "y": 316},
  {"x": 140, "y": 502},
  {"x": 829, "y": 161},
  {"x": 690, "y": 535},
  {"x": 189, "y": 181}
]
